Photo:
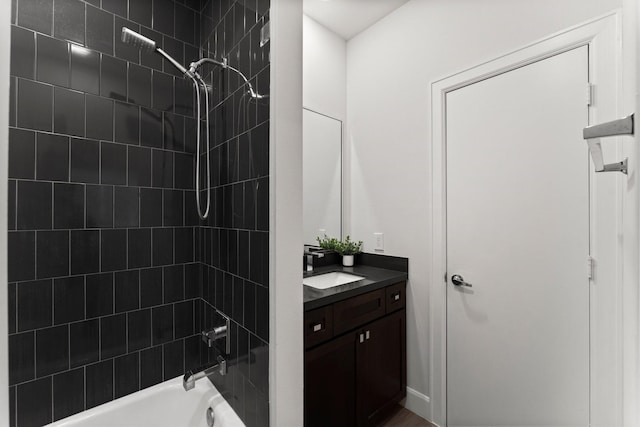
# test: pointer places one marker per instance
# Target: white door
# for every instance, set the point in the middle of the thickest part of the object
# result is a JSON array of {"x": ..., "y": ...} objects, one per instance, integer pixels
[{"x": 518, "y": 232}]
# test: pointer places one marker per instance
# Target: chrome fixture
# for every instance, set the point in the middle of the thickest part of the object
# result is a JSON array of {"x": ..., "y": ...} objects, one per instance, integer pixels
[
  {"x": 211, "y": 419},
  {"x": 190, "y": 378},
  {"x": 593, "y": 134},
  {"x": 311, "y": 252},
  {"x": 458, "y": 280},
  {"x": 219, "y": 333},
  {"x": 145, "y": 44},
  {"x": 193, "y": 67}
]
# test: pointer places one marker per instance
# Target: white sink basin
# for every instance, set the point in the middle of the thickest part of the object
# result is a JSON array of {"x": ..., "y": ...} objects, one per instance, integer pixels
[{"x": 329, "y": 280}]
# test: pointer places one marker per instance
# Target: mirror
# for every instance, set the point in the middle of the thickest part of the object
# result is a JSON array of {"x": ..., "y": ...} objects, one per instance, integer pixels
[{"x": 322, "y": 176}]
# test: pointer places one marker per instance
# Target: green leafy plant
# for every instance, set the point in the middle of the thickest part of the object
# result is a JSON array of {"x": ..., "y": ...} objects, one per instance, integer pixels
[{"x": 343, "y": 247}]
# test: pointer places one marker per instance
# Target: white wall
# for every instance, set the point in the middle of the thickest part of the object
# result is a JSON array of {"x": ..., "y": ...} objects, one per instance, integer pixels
[
  {"x": 286, "y": 347},
  {"x": 324, "y": 70},
  {"x": 389, "y": 70},
  {"x": 631, "y": 293}
]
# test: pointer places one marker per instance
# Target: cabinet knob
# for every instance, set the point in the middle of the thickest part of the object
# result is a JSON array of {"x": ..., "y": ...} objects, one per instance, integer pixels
[
  {"x": 317, "y": 327},
  {"x": 396, "y": 296},
  {"x": 361, "y": 338},
  {"x": 367, "y": 335}
]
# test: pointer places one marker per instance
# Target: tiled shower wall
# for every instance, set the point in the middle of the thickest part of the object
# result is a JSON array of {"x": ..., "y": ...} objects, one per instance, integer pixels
[
  {"x": 235, "y": 239},
  {"x": 105, "y": 284}
]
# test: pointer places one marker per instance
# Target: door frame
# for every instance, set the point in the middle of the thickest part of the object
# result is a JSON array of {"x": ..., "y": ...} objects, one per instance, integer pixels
[{"x": 602, "y": 35}]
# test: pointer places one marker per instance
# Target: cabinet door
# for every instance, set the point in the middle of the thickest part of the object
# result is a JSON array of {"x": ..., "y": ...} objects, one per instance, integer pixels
[
  {"x": 382, "y": 369},
  {"x": 330, "y": 384}
]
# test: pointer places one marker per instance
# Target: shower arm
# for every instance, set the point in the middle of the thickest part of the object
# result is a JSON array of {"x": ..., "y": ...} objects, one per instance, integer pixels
[
  {"x": 193, "y": 67},
  {"x": 173, "y": 62}
]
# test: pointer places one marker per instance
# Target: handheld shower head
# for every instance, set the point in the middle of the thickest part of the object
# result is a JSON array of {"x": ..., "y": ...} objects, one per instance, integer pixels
[
  {"x": 134, "y": 39},
  {"x": 145, "y": 44}
]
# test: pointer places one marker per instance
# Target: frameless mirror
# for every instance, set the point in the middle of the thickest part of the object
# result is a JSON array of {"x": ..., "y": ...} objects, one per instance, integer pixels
[{"x": 322, "y": 176}]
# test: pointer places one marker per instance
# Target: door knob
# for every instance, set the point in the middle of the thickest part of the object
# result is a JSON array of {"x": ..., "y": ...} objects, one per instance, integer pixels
[{"x": 459, "y": 281}]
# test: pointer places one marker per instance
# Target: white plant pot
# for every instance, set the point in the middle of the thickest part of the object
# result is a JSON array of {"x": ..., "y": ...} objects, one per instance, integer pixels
[{"x": 347, "y": 260}]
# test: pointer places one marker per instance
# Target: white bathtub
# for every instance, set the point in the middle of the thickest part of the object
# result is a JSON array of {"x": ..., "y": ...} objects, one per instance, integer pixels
[{"x": 163, "y": 405}]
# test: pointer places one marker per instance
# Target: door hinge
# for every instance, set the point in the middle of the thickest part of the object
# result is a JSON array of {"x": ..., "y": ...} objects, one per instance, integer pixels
[
  {"x": 590, "y": 90},
  {"x": 590, "y": 267}
]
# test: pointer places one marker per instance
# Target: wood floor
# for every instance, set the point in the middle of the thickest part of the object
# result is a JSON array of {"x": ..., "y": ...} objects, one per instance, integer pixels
[{"x": 405, "y": 418}]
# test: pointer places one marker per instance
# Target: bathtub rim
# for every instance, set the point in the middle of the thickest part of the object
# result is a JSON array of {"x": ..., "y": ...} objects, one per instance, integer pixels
[{"x": 202, "y": 387}]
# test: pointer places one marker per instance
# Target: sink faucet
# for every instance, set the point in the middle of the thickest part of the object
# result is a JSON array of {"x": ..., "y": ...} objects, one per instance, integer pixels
[
  {"x": 310, "y": 254},
  {"x": 190, "y": 378}
]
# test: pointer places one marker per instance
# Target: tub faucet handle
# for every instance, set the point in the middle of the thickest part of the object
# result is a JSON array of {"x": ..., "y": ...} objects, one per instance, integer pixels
[{"x": 218, "y": 333}]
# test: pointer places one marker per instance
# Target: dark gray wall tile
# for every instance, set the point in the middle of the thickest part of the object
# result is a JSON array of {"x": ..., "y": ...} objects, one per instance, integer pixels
[
  {"x": 68, "y": 206},
  {"x": 52, "y": 162},
  {"x": 139, "y": 248},
  {"x": 85, "y": 252},
  {"x": 126, "y": 207},
  {"x": 162, "y": 324},
  {"x": 127, "y": 291},
  {"x": 127, "y": 123},
  {"x": 163, "y": 16},
  {"x": 113, "y": 78},
  {"x": 99, "y": 117},
  {"x": 84, "y": 342},
  {"x": 34, "y": 205},
  {"x": 150, "y": 287},
  {"x": 52, "y": 61},
  {"x": 68, "y": 393},
  {"x": 85, "y": 70},
  {"x": 113, "y": 336},
  {"x": 35, "y": 105},
  {"x": 52, "y": 254},
  {"x": 21, "y": 357},
  {"x": 126, "y": 375},
  {"x": 139, "y": 85},
  {"x": 139, "y": 166},
  {"x": 113, "y": 163},
  {"x": 36, "y": 15},
  {"x": 99, "y": 295},
  {"x": 52, "y": 350},
  {"x": 150, "y": 366},
  {"x": 113, "y": 244},
  {"x": 140, "y": 11},
  {"x": 68, "y": 299},
  {"x": 22, "y": 152},
  {"x": 99, "y": 383},
  {"x": 99, "y": 30},
  {"x": 68, "y": 112},
  {"x": 21, "y": 248},
  {"x": 68, "y": 20},
  {"x": 29, "y": 401},
  {"x": 23, "y": 53},
  {"x": 139, "y": 329},
  {"x": 85, "y": 161},
  {"x": 99, "y": 206}
]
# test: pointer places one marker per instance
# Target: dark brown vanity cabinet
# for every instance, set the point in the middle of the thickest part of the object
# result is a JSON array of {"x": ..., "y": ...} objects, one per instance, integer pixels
[{"x": 355, "y": 359}]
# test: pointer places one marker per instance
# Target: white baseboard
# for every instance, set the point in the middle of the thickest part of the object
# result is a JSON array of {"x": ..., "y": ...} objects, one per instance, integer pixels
[{"x": 418, "y": 403}]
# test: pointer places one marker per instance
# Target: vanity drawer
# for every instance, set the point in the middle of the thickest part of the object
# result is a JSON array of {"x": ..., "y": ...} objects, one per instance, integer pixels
[
  {"x": 358, "y": 310},
  {"x": 396, "y": 297},
  {"x": 318, "y": 326}
]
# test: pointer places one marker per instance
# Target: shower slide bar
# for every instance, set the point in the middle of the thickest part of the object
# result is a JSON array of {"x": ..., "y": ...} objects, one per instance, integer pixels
[{"x": 592, "y": 135}]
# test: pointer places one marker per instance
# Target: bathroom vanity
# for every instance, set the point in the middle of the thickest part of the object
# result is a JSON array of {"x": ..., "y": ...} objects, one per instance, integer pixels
[{"x": 355, "y": 347}]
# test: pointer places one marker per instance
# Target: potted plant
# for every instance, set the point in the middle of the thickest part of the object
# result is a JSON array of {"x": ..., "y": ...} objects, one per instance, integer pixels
[{"x": 347, "y": 248}]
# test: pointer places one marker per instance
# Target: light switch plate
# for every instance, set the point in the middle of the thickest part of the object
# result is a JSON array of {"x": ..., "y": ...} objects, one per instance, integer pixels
[{"x": 379, "y": 239}]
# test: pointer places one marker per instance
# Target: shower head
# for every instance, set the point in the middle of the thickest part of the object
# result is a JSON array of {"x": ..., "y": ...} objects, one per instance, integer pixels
[
  {"x": 134, "y": 39},
  {"x": 145, "y": 44}
]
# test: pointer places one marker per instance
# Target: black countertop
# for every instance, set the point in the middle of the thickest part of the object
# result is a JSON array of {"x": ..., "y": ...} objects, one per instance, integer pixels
[{"x": 374, "y": 278}]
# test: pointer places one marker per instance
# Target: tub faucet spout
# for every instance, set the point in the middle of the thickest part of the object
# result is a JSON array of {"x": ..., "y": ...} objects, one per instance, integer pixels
[{"x": 190, "y": 377}]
